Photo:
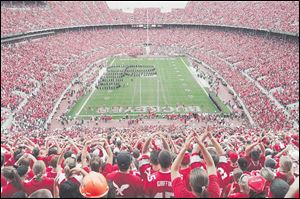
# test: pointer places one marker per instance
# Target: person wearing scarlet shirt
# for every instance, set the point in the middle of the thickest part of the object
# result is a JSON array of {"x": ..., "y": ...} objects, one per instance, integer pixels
[
  {"x": 159, "y": 184},
  {"x": 285, "y": 170},
  {"x": 148, "y": 166},
  {"x": 127, "y": 185},
  {"x": 255, "y": 158},
  {"x": 40, "y": 181},
  {"x": 203, "y": 183},
  {"x": 14, "y": 183},
  {"x": 237, "y": 173},
  {"x": 243, "y": 188}
]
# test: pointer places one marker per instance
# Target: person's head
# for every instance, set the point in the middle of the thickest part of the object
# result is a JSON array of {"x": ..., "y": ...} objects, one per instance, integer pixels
[
  {"x": 267, "y": 173},
  {"x": 17, "y": 154},
  {"x": 11, "y": 174},
  {"x": 255, "y": 155},
  {"x": 22, "y": 170},
  {"x": 243, "y": 183},
  {"x": 53, "y": 161},
  {"x": 214, "y": 156},
  {"x": 154, "y": 157},
  {"x": 69, "y": 189},
  {"x": 136, "y": 153},
  {"x": 279, "y": 188},
  {"x": 95, "y": 164},
  {"x": 68, "y": 154},
  {"x": 52, "y": 150},
  {"x": 233, "y": 156},
  {"x": 19, "y": 194},
  {"x": 35, "y": 152},
  {"x": 198, "y": 181},
  {"x": 41, "y": 193},
  {"x": 243, "y": 164},
  {"x": 164, "y": 159},
  {"x": 69, "y": 164},
  {"x": 119, "y": 143},
  {"x": 186, "y": 159},
  {"x": 25, "y": 162},
  {"x": 270, "y": 163},
  {"x": 124, "y": 160},
  {"x": 237, "y": 173},
  {"x": 285, "y": 164},
  {"x": 94, "y": 185},
  {"x": 39, "y": 169}
]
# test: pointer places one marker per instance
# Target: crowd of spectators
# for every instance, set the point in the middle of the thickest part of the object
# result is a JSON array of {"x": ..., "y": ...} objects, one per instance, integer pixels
[
  {"x": 58, "y": 59},
  {"x": 272, "y": 15},
  {"x": 150, "y": 161}
]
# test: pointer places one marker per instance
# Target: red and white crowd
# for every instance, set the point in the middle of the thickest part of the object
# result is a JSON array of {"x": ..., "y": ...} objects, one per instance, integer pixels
[
  {"x": 151, "y": 161},
  {"x": 280, "y": 16}
]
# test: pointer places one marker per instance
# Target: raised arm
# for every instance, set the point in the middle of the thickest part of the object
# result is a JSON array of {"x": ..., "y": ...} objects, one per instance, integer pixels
[
  {"x": 218, "y": 147},
  {"x": 177, "y": 162},
  {"x": 210, "y": 166}
]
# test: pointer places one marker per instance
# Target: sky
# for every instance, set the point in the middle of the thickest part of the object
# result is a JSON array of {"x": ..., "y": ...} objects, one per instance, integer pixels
[{"x": 130, "y": 5}]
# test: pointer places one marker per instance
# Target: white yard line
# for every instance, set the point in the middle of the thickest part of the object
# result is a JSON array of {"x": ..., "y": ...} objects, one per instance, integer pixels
[
  {"x": 194, "y": 75},
  {"x": 94, "y": 89},
  {"x": 140, "y": 91}
]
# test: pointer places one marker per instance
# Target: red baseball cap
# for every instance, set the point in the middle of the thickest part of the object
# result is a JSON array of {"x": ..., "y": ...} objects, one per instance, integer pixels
[
  {"x": 257, "y": 183},
  {"x": 233, "y": 156}
]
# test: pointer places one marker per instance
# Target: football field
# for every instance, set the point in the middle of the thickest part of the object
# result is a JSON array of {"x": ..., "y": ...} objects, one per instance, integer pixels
[{"x": 169, "y": 88}]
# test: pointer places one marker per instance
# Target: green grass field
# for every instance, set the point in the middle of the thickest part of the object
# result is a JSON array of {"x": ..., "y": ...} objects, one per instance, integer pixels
[{"x": 172, "y": 90}]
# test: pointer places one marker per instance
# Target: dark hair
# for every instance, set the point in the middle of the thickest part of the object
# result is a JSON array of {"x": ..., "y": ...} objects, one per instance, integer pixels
[
  {"x": 95, "y": 164},
  {"x": 22, "y": 170},
  {"x": 214, "y": 156},
  {"x": 154, "y": 157},
  {"x": 279, "y": 188},
  {"x": 243, "y": 164},
  {"x": 69, "y": 189},
  {"x": 53, "y": 161},
  {"x": 52, "y": 150},
  {"x": 255, "y": 155},
  {"x": 35, "y": 152},
  {"x": 136, "y": 153},
  {"x": 253, "y": 194},
  {"x": 16, "y": 153},
  {"x": 165, "y": 159},
  {"x": 67, "y": 154}
]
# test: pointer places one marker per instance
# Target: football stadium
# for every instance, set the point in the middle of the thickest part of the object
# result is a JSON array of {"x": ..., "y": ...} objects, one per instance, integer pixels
[{"x": 154, "y": 99}]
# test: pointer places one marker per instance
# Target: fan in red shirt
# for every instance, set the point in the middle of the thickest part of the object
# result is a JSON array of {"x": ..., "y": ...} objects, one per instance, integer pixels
[
  {"x": 14, "y": 183},
  {"x": 285, "y": 170},
  {"x": 237, "y": 173},
  {"x": 202, "y": 184},
  {"x": 255, "y": 158},
  {"x": 159, "y": 184},
  {"x": 127, "y": 185},
  {"x": 40, "y": 181}
]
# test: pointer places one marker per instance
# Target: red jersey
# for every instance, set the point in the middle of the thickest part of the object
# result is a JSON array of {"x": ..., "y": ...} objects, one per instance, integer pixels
[
  {"x": 126, "y": 184},
  {"x": 255, "y": 166},
  {"x": 180, "y": 190},
  {"x": 8, "y": 190},
  {"x": 159, "y": 185},
  {"x": 145, "y": 167},
  {"x": 225, "y": 172},
  {"x": 51, "y": 174},
  {"x": 236, "y": 189},
  {"x": 33, "y": 185},
  {"x": 185, "y": 173}
]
